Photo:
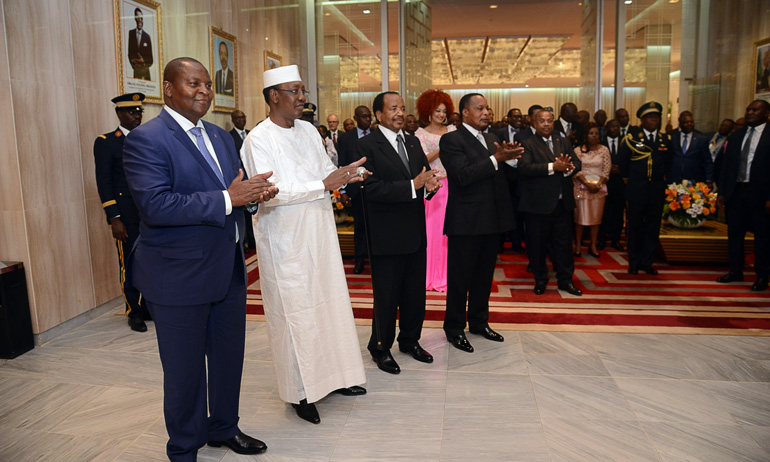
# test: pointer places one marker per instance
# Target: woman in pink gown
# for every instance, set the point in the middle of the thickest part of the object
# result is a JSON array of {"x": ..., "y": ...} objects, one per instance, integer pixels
[{"x": 432, "y": 108}]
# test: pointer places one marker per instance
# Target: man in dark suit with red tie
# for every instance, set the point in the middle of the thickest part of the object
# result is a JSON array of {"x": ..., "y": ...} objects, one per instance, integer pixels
[
  {"x": 744, "y": 193},
  {"x": 185, "y": 177},
  {"x": 348, "y": 153},
  {"x": 478, "y": 211},
  {"x": 547, "y": 201},
  {"x": 395, "y": 215}
]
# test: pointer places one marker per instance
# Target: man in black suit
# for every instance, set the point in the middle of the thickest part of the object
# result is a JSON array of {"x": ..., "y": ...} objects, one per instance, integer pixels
[
  {"x": 139, "y": 48},
  {"x": 547, "y": 201},
  {"x": 334, "y": 133},
  {"x": 568, "y": 125},
  {"x": 122, "y": 215},
  {"x": 744, "y": 192},
  {"x": 600, "y": 117},
  {"x": 348, "y": 153},
  {"x": 395, "y": 212},
  {"x": 478, "y": 211},
  {"x": 644, "y": 159},
  {"x": 530, "y": 130},
  {"x": 224, "y": 76},
  {"x": 239, "y": 131},
  {"x": 612, "y": 219},
  {"x": 691, "y": 159},
  {"x": 511, "y": 133},
  {"x": 621, "y": 115}
]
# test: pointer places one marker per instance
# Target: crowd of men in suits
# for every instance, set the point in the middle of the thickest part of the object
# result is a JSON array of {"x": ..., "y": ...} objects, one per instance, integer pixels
[{"x": 177, "y": 200}]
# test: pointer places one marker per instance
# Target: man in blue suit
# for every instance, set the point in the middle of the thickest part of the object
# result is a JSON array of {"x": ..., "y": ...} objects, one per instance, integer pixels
[
  {"x": 188, "y": 260},
  {"x": 690, "y": 155}
]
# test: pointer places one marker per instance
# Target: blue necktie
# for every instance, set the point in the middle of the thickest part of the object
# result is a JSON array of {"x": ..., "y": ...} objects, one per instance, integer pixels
[
  {"x": 206, "y": 154},
  {"x": 684, "y": 145}
]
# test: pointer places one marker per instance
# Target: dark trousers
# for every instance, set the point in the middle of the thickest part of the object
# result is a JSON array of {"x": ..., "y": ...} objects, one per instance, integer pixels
[
  {"x": 551, "y": 234},
  {"x": 398, "y": 283},
  {"x": 643, "y": 230},
  {"x": 134, "y": 304},
  {"x": 189, "y": 339},
  {"x": 744, "y": 214},
  {"x": 359, "y": 228},
  {"x": 470, "y": 268},
  {"x": 249, "y": 238},
  {"x": 612, "y": 221}
]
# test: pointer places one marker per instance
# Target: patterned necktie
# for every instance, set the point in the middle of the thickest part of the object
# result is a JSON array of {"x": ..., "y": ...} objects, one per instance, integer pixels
[
  {"x": 550, "y": 146},
  {"x": 743, "y": 167},
  {"x": 402, "y": 152},
  {"x": 334, "y": 137},
  {"x": 684, "y": 144},
  {"x": 206, "y": 154},
  {"x": 243, "y": 134}
]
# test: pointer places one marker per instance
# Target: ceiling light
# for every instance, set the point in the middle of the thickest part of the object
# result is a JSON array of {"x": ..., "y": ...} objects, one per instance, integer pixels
[
  {"x": 327, "y": 14},
  {"x": 493, "y": 6},
  {"x": 527, "y": 85},
  {"x": 673, "y": 1},
  {"x": 367, "y": 11},
  {"x": 628, "y": 2}
]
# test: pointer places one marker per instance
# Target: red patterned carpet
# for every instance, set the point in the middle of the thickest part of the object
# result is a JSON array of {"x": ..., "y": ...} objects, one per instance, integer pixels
[{"x": 681, "y": 299}]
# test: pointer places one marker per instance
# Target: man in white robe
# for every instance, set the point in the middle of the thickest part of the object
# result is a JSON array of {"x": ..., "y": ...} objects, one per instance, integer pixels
[{"x": 307, "y": 304}]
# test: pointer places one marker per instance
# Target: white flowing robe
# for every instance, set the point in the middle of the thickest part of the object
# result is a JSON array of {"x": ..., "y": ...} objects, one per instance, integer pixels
[{"x": 307, "y": 304}]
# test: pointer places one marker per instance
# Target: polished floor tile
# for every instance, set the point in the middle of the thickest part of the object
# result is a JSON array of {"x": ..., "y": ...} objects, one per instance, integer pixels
[{"x": 95, "y": 394}]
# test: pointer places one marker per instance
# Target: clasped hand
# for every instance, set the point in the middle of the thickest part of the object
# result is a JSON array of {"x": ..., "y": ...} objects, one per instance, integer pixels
[
  {"x": 255, "y": 189},
  {"x": 429, "y": 179},
  {"x": 346, "y": 175},
  {"x": 563, "y": 164},
  {"x": 508, "y": 151}
]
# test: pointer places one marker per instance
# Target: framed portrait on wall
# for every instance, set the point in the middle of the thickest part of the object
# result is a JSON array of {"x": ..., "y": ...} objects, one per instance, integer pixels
[
  {"x": 139, "y": 43},
  {"x": 761, "y": 66},
  {"x": 223, "y": 52},
  {"x": 272, "y": 60}
]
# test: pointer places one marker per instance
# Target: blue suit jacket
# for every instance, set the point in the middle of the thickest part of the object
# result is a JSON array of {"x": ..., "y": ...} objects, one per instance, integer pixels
[
  {"x": 695, "y": 164},
  {"x": 187, "y": 249}
]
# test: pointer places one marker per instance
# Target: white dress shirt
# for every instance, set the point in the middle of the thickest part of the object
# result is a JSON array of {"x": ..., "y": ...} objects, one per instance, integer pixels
[{"x": 753, "y": 148}]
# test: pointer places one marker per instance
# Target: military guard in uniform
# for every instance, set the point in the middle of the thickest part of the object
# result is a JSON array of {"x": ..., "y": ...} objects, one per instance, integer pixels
[
  {"x": 122, "y": 214},
  {"x": 644, "y": 158}
]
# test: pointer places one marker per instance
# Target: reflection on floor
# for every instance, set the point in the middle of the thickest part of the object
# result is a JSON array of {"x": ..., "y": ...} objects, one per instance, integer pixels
[{"x": 95, "y": 394}]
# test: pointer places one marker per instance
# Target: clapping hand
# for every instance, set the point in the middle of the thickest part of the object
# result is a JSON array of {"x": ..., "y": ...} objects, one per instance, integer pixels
[
  {"x": 255, "y": 189},
  {"x": 508, "y": 151},
  {"x": 563, "y": 164},
  {"x": 433, "y": 184},
  {"x": 346, "y": 175}
]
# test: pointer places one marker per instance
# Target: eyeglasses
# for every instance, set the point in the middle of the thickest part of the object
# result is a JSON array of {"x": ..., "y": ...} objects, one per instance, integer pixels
[{"x": 295, "y": 91}]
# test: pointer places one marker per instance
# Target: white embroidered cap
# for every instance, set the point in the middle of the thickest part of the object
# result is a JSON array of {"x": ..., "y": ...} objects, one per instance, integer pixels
[{"x": 280, "y": 75}]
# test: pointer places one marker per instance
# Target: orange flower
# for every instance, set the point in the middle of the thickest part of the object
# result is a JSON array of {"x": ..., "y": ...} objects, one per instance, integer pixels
[
  {"x": 713, "y": 209},
  {"x": 674, "y": 206},
  {"x": 705, "y": 211},
  {"x": 339, "y": 205},
  {"x": 686, "y": 198},
  {"x": 336, "y": 193}
]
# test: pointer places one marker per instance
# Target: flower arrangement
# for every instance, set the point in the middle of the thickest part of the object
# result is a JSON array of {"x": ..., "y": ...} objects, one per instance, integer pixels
[
  {"x": 337, "y": 205},
  {"x": 688, "y": 204}
]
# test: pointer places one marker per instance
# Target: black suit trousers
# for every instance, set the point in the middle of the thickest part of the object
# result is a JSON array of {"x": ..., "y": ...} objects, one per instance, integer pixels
[
  {"x": 134, "y": 303},
  {"x": 359, "y": 228},
  {"x": 470, "y": 268},
  {"x": 398, "y": 283},
  {"x": 644, "y": 218},
  {"x": 743, "y": 215},
  {"x": 551, "y": 234}
]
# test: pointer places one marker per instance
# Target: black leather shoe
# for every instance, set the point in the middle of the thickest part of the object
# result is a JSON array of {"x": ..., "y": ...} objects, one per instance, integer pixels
[
  {"x": 461, "y": 343},
  {"x": 136, "y": 323},
  {"x": 355, "y": 390},
  {"x": 307, "y": 411},
  {"x": 242, "y": 444},
  {"x": 386, "y": 363},
  {"x": 594, "y": 254},
  {"x": 571, "y": 289},
  {"x": 650, "y": 270},
  {"x": 540, "y": 288},
  {"x": 760, "y": 285},
  {"x": 730, "y": 277},
  {"x": 488, "y": 334},
  {"x": 417, "y": 353},
  {"x": 618, "y": 246},
  {"x": 633, "y": 270},
  {"x": 359, "y": 268}
]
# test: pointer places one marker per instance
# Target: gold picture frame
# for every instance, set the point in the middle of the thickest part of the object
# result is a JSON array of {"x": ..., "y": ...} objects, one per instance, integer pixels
[
  {"x": 272, "y": 60},
  {"x": 139, "y": 48},
  {"x": 224, "y": 74},
  {"x": 760, "y": 82}
]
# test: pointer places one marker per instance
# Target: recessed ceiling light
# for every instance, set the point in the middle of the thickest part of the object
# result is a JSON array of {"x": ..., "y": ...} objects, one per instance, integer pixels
[
  {"x": 628, "y": 2},
  {"x": 327, "y": 14},
  {"x": 367, "y": 11},
  {"x": 493, "y": 6},
  {"x": 527, "y": 85},
  {"x": 580, "y": 3}
]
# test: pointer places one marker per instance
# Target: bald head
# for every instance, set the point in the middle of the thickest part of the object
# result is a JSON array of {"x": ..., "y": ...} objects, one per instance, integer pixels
[{"x": 177, "y": 66}]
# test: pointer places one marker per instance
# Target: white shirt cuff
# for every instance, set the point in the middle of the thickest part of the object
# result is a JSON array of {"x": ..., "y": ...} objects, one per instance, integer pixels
[
  {"x": 228, "y": 203},
  {"x": 318, "y": 187},
  {"x": 414, "y": 192},
  {"x": 513, "y": 162},
  {"x": 550, "y": 168},
  {"x": 494, "y": 161}
]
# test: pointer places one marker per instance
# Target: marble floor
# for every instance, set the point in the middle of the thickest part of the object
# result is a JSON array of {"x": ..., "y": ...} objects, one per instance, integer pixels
[{"x": 94, "y": 394}]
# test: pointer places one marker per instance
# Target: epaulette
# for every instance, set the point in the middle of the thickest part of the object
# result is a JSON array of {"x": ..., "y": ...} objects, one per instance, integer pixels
[{"x": 102, "y": 137}]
